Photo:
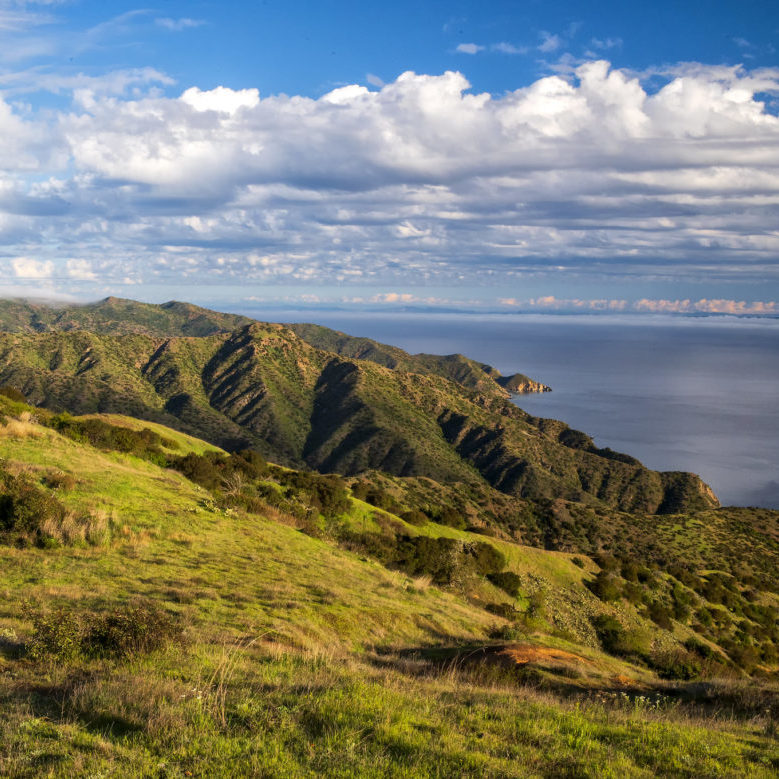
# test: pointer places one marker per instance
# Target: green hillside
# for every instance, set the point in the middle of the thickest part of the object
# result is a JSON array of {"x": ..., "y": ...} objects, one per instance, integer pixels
[
  {"x": 172, "y": 610},
  {"x": 263, "y": 387},
  {"x": 116, "y": 316}
]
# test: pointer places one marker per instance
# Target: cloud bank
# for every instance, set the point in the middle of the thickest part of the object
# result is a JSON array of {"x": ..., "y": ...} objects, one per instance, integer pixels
[{"x": 589, "y": 173}]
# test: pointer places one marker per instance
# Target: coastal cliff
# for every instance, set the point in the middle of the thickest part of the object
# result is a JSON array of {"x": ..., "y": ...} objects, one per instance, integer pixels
[{"x": 519, "y": 384}]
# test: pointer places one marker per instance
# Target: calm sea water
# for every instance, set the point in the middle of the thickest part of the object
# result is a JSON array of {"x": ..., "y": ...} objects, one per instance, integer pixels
[{"x": 697, "y": 395}]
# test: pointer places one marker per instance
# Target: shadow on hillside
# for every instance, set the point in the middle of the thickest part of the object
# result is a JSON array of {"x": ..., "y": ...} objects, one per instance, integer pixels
[
  {"x": 61, "y": 702},
  {"x": 568, "y": 676}
]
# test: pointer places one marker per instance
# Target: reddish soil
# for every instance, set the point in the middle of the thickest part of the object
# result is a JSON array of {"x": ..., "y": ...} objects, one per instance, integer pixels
[{"x": 521, "y": 654}]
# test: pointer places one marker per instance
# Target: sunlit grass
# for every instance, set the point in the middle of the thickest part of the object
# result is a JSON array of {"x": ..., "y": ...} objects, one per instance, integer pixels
[{"x": 301, "y": 659}]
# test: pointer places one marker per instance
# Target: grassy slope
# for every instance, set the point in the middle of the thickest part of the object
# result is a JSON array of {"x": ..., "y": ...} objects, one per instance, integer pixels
[{"x": 280, "y": 675}]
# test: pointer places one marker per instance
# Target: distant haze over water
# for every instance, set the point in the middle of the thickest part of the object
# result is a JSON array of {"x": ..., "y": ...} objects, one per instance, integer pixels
[{"x": 698, "y": 395}]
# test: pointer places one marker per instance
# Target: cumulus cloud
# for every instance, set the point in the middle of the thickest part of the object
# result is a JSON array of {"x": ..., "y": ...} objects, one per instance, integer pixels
[
  {"x": 591, "y": 173},
  {"x": 226, "y": 101},
  {"x": 81, "y": 270},
  {"x": 28, "y": 268}
]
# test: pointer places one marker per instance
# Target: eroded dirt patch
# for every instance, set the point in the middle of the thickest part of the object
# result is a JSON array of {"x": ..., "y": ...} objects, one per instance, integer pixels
[{"x": 522, "y": 654}]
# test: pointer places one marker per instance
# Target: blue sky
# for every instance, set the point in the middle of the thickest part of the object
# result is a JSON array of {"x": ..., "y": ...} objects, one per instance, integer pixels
[{"x": 482, "y": 156}]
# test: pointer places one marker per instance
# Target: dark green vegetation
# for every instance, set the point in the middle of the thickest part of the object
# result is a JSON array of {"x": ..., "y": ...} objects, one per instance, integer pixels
[
  {"x": 440, "y": 586},
  {"x": 263, "y": 387}
]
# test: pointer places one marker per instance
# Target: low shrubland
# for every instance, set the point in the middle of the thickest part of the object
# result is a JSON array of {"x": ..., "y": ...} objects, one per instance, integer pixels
[{"x": 377, "y": 640}]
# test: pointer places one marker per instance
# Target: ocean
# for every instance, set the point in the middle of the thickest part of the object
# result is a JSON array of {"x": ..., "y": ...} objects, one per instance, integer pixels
[{"x": 691, "y": 394}]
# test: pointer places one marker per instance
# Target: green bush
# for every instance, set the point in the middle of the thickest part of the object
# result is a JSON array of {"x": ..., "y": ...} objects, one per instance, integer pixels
[
  {"x": 63, "y": 634},
  {"x": 486, "y": 558},
  {"x": 55, "y": 634},
  {"x": 507, "y": 581},
  {"x": 618, "y": 641},
  {"x": 505, "y": 610},
  {"x": 381, "y": 500},
  {"x": 414, "y": 517},
  {"x": 199, "y": 469},
  {"x": 24, "y": 508},
  {"x": 130, "y": 630},
  {"x": 437, "y": 557},
  {"x": 606, "y": 586},
  {"x": 699, "y": 648},
  {"x": 113, "y": 438},
  {"x": 7, "y": 391},
  {"x": 676, "y": 663},
  {"x": 659, "y": 614},
  {"x": 451, "y": 518}
]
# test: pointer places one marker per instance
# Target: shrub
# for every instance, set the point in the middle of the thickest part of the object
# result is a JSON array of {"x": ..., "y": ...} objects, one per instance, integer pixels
[
  {"x": 360, "y": 490},
  {"x": 56, "y": 634},
  {"x": 414, "y": 517},
  {"x": 699, "y": 648},
  {"x": 59, "y": 480},
  {"x": 12, "y": 393},
  {"x": 24, "y": 508},
  {"x": 505, "y": 610},
  {"x": 605, "y": 586},
  {"x": 64, "y": 635},
  {"x": 199, "y": 469},
  {"x": 434, "y": 556},
  {"x": 607, "y": 563},
  {"x": 618, "y": 641},
  {"x": 131, "y": 630},
  {"x": 103, "y": 435},
  {"x": 252, "y": 463},
  {"x": 507, "y": 632},
  {"x": 451, "y": 518},
  {"x": 676, "y": 663},
  {"x": 633, "y": 593},
  {"x": 745, "y": 657},
  {"x": 381, "y": 500},
  {"x": 508, "y": 581},
  {"x": 487, "y": 559},
  {"x": 660, "y": 615}
]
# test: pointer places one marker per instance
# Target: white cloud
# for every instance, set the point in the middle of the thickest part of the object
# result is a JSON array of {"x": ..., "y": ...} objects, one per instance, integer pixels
[
  {"x": 606, "y": 43},
  {"x": 374, "y": 80},
  {"x": 549, "y": 42},
  {"x": 509, "y": 48},
  {"x": 27, "y": 268},
  {"x": 420, "y": 178},
  {"x": 132, "y": 82},
  {"x": 81, "y": 270},
  {"x": 646, "y": 305},
  {"x": 226, "y": 101},
  {"x": 469, "y": 48},
  {"x": 177, "y": 25}
]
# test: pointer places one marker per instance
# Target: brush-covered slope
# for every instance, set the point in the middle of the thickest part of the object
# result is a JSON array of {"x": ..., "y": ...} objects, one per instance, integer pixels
[
  {"x": 462, "y": 370},
  {"x": 264, "y": 387},
  {"x": 287, "y": 653},
  {"x": 117, "y": 316}
]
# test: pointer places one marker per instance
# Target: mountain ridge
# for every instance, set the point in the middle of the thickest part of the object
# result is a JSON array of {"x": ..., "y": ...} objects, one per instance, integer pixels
[{"x": 264, "y": 386}]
